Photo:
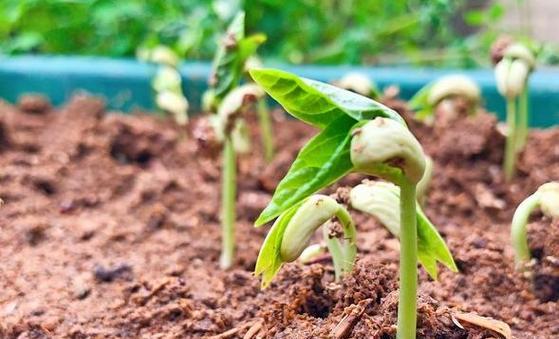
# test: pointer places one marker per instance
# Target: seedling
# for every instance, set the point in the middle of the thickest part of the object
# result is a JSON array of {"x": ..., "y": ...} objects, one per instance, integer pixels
[
  {"x": 230, "y": 101},
  {"x": 229, "y": 124},
  {"x": 356, "y": 134},
  {"x": 167, "y": 82},
  {"x": 360, "y": 84},
  {"x": 546, "y": 198},
  {"x": 233, "y": 57},
  {"x": 511, "y": 75},
  {"x": 446, "y": 89},
  {"x": 291, "y": 233}
]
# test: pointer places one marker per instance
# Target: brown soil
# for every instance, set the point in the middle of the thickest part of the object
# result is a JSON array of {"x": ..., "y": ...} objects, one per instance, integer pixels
[{"x": 110, "y": 229}]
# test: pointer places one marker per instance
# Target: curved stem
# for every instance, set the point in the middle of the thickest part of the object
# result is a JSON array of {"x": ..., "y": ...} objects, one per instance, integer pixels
[
  {"x": 510, "y": 148},
  {"x": 228, "y": 194},
  {"x": 265, "y": 129},
  {"x": 407, "y": 305},
  {"x": 518, "y": 230},
  {"x": 343, "y": 254},
  {"x": 350, "y": 235}
]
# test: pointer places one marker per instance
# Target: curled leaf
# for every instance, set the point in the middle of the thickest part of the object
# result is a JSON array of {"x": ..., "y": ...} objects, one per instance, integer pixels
[{"x": 382, "y": 200}]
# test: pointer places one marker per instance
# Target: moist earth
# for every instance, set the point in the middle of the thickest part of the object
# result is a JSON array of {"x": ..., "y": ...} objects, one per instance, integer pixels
[{"x": 110, "y": 229}]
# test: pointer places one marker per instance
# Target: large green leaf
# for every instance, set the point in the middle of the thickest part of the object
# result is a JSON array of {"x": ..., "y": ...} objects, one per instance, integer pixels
[
  {"x": 323, "y": 160},
  {"x": 318, "y": 103},
  {"x": 230, "y": 58}
]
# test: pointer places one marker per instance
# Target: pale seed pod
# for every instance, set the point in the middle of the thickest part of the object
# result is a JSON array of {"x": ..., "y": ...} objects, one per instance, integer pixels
[
  {"x": 549, "y": 199},
  {"x": 312, "y": 252},
  {"x": 358, "y": 83},
  {"x": 512, "y": 72},
  {"x": 452, "y": 86},
  {"x": 240, "y": 137},
  {"x": 312, "y": 214},
  {"x": 164, "y": 55},
  {"x": 516, "y": 80},
  {"x": 383, "y": 144},
  {"x": 519, "y": 51},
  {"x": 501, "y": 75},
  {"x": 167, "y": 79},
  {"x": 378, "y": 198},
  {"x": 233, "y": 103},
  {"x": 175, "y": 104}
]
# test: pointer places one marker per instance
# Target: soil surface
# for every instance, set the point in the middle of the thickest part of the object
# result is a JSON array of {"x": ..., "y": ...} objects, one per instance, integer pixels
[{"x": 110, "y": 229}]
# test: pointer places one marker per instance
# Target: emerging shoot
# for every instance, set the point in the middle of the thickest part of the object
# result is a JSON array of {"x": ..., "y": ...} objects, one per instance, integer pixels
[
  {"x": 290, "y": 235},
  {"x": 358, "y": 83},
  {"x": 446, "y": 90},
  {"x": 167, "y": 82},
  {"x": 234, "y": 57},
  {"x": 511, "y": 75},
  {"x": 356, "y": 134},
  {"x": 229, "y": 124},
  {"x": 547, "y": 199}
]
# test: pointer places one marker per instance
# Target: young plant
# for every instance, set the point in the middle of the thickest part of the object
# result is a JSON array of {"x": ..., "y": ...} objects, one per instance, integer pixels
[
  {"x": 167, "y": 82},
  {"x": 291, "y": 233},
  {"x": 230, "y": 101},
  {"x": 356, "y": 134},
  {"x": 229, "y": 124},
  {"x": 233, "y": 57},
  {"x": 547, "y": 199},
  {"x": 446, "y": 89},
  {"x": 512, "y": 74},
  {"x": 381, "y": 200}
]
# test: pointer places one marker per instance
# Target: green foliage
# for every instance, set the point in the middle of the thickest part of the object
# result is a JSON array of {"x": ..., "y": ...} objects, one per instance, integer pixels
[
  {"x": 431, "y": 246},
  {"x": 420, "y": 102},
  {"x": 230, "y": 58},
  {"x": 299, "y": 31},
  {"x": 269, "y": 259},
  {"x": 326, "y": 157}
]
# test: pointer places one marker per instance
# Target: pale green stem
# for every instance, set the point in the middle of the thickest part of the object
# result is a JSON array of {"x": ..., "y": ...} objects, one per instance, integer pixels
[
  {"x": 266, "y": 129},
  {"x": 518, "y": 230},
  {"x": 407, "y": 304},
  {"x": 343, "y": 256},
  {"x": 510, "y": 147},
  {"x": 228, "y": 194},
  {"x": 523, "y": 119}
]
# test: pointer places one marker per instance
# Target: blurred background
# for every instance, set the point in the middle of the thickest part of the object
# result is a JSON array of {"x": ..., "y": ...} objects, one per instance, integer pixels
[{"x": 440, "y": 33}]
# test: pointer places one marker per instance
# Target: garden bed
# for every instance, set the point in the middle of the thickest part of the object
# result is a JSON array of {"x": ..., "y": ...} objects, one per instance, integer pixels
[{"x": 110, "y": 228}]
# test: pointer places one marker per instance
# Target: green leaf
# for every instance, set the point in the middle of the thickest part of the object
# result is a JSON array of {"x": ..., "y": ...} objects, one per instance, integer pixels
[
  {"x": 382, "y": 201},
  {"x": 323, "y": 160},
  {"x": 318, "y": 103},
  {"x": 230, "y": 58},
  {"x": 269, "y": 258},
  {"x": 431, "y": 246},
  {"x": 420, "y": 103}
]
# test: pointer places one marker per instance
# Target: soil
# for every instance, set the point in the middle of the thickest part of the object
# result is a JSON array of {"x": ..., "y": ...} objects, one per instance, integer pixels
[{"x": 110, "y": 229}]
